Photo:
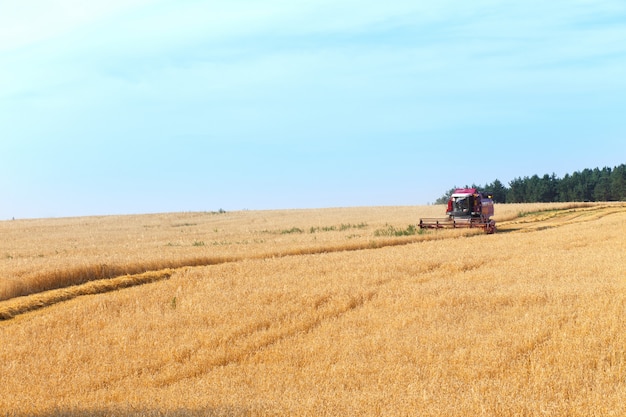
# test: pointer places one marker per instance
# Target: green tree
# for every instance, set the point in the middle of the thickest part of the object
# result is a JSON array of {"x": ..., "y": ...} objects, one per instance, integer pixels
[
  {"x": 562, "y": 189},
  {"x": 497, "y": 190},
  {"x": 602, "y": 185},
  {"x": 517, "y": 191},
  {"x": 618, "y": 183}
]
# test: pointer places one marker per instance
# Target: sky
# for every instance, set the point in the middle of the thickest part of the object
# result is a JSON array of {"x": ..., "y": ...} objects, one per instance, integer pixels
[{"x": 148, "y": 106}]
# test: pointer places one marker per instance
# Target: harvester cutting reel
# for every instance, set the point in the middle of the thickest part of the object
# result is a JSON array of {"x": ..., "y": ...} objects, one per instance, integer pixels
[{"x": 489, "y": 226}]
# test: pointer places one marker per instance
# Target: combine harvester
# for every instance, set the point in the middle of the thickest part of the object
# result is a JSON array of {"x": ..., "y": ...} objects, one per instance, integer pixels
[{"x": 467, "y": 208}]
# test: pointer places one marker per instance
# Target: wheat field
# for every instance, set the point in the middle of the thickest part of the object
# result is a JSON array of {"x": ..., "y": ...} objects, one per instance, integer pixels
[{"x": 315, "y": 313}]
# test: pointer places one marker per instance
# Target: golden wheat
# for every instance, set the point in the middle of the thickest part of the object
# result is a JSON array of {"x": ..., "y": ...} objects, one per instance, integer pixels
[
  {"x": 524, "y": 322},
  {"x": 39, "y": 255},
  {"x": 45, "y": 254}
]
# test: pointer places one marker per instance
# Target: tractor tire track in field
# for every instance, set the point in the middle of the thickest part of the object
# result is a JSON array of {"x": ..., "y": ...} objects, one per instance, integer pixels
[
  {"x": 526, "y": 351},
  {"x": 241, "y": 344},
  {"x": 544, "y": 220},
  {"x": 258, "y": 336},
  {"x": 253, "y": 338}
]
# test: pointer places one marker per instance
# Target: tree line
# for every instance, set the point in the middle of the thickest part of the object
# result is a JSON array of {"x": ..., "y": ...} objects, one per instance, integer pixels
[{"x": 606, "y": 184}]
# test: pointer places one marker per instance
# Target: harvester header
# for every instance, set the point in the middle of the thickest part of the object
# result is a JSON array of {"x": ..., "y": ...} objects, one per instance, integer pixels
[{"x": 467, "y": 208}]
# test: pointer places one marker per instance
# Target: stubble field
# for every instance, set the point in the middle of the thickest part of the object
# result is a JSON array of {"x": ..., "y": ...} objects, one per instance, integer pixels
[{"x": 315, "y": 312}]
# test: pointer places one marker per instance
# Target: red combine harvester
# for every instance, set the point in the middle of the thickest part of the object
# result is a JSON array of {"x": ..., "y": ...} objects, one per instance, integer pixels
[{"x": 468, "y": 208}]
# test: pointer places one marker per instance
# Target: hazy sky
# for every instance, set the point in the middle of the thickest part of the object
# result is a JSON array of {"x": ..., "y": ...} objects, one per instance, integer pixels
[{"x": 136, "y": 106}]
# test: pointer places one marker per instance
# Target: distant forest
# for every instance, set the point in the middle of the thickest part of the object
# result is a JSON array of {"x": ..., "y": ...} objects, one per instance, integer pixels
[{"x": 596, "y": 184}]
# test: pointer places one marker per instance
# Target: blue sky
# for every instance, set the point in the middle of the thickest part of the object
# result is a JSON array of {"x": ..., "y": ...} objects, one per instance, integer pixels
[{"x": 141, "y": 106}]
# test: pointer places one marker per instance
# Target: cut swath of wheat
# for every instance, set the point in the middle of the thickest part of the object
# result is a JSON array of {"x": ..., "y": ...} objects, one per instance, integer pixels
[{"x": 317, "y": 312}]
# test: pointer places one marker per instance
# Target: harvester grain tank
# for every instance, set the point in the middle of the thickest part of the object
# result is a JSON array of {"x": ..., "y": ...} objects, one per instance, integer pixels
[{"x": 467, "y": 208}]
